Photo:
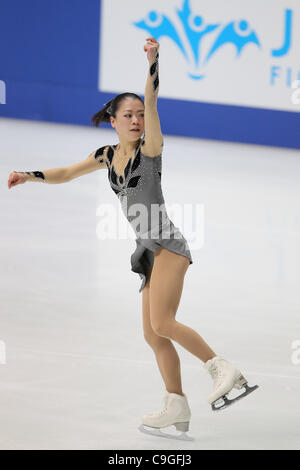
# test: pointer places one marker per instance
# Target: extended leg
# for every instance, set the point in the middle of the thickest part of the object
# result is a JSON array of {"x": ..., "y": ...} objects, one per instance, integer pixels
[{"x": 166, "y": 286}]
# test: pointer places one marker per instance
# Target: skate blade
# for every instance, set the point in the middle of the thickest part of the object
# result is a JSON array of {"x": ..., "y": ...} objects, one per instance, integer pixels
[
  {"x": 225, "y": 402},
  {"x": 157, "y": 432}
]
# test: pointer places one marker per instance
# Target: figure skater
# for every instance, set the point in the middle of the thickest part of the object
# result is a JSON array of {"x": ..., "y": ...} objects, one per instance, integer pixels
[{"x": 162, "y": 255}]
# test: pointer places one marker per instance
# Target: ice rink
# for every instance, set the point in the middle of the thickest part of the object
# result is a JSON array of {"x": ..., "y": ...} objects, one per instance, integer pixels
[{"x": 76, "y": 372}]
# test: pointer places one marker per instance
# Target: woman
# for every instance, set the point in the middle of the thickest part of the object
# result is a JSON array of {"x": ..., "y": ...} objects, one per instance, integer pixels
[{"x": 162, "y": 255}]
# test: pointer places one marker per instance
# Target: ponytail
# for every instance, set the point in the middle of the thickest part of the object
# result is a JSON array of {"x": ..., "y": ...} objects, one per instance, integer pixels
[
  {"x": 103, "y": 115},
  {"x": 111, "y": 107}
]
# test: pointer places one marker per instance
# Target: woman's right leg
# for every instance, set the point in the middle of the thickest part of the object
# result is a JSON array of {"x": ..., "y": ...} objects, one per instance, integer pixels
[{"x": 166, "y": 355}]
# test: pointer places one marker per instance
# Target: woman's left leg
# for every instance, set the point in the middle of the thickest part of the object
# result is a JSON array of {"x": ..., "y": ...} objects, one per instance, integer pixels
[{"x": 166, "y": 286}]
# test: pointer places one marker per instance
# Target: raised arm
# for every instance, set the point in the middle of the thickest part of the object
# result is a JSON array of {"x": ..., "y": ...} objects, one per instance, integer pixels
[
  {"x": 152, "y": 84},
  {"x": 95, "y": 161},
  {"x": 153, "y": 135}
]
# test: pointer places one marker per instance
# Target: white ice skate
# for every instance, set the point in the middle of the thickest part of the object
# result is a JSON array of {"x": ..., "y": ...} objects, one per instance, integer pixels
[
  {"x": 176, "y": 412},
  {"x": 225, "y": 377}
]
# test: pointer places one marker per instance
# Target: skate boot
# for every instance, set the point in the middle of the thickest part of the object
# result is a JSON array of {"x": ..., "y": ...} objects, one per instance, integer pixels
[
  {"x": 225, "y": 377},
  {"x": 176, "y": 411}
]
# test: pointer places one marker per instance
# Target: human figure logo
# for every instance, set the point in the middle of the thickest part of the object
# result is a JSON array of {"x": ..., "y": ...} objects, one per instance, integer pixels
[{"x": 195, "y": 30}]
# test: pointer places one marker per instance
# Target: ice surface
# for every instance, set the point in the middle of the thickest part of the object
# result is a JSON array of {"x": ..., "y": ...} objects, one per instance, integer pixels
[{"x": 78, "y": 373}]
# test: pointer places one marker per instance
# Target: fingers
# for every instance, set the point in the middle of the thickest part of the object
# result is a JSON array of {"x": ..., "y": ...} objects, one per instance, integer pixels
[
  {"x": 151, "y": 39},
  {"x": 11, "y": 183},
  {"x": 152, "y": 43},
  {"x": 13, "y": 179},
  {"x": 149, "y": 46},
  {"x": 14, "y": 183}
]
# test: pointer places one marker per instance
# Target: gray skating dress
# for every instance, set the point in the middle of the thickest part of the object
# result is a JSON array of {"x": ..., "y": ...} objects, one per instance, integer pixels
[{"x": 140, "y": 194}]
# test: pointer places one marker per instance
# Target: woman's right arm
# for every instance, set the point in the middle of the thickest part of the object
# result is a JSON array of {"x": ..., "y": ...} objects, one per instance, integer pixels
[{"x": 95, "y": 161}]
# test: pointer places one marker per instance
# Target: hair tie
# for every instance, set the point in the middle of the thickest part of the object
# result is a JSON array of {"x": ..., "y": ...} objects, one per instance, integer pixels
[{"x": 109, "y": 109}]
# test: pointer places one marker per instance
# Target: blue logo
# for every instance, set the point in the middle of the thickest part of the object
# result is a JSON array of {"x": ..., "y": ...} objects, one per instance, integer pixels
[{"x": 239, "y": 33}]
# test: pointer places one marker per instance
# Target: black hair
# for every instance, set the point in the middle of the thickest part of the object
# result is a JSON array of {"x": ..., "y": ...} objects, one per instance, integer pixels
[{"x": 111, "y": 107}]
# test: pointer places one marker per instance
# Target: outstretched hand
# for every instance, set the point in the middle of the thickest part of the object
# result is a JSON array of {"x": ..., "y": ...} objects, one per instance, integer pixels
[
  {"x": 151, "y": 48},
  {"x": 16, "y": 178}
]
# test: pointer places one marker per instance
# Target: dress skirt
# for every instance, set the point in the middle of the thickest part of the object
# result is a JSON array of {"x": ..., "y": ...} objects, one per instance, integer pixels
[{"x": 143, "y": 256}]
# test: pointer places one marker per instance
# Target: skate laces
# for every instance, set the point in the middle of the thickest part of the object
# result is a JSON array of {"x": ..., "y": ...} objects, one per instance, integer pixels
[
  {"x": 162, "y": 411},
  {"x": 216, "y": 373},
  {"x": 159, "y": 413},
  {"x": 164, "y": 408}
]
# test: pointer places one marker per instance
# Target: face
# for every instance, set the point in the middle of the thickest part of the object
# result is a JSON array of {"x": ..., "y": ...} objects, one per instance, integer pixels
[{"x": 130, "y": 115}]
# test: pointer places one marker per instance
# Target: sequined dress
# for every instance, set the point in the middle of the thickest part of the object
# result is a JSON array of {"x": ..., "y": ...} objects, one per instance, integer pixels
[{"x": 140, "y": 194}]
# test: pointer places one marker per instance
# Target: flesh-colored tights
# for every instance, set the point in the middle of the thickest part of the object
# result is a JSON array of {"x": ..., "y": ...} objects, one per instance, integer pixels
[{"x": 161, "y": 297}]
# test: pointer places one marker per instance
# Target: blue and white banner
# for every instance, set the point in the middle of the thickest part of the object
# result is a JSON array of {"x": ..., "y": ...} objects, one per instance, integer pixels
[
  {"x": 228, "y": 52},
  {"x": 227, "y": 67}
]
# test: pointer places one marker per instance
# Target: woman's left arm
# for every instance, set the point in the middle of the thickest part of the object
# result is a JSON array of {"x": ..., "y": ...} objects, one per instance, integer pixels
[{"x": 153, "y": 134}]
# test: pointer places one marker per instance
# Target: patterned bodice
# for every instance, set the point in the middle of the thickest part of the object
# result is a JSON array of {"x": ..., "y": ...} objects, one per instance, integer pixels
[{"x": 139, "y": 184}]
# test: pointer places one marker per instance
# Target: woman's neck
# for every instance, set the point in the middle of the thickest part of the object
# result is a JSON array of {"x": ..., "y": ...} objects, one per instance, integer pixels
[{"x": 127, "y": 148}]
